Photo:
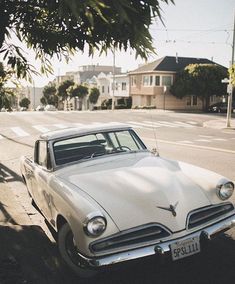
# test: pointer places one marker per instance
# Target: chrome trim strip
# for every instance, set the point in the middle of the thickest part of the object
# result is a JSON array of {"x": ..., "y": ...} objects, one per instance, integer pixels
[
  {"x": 159, "y": 248},
  {"x": 128, "y": 231},
  {"x": 206, "y": 208}
]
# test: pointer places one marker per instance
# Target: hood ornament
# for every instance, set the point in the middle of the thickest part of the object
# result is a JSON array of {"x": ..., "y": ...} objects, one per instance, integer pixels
[{"x": 171, "y": 208}]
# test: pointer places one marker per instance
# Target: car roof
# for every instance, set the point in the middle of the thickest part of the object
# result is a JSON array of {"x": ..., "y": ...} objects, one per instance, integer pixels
[{"x": 83, "y": 130}]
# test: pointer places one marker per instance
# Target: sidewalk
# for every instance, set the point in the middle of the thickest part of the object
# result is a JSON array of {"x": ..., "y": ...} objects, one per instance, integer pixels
[
  {"x": 219, "y": 124},
  {"x": 27, "y": 254}
]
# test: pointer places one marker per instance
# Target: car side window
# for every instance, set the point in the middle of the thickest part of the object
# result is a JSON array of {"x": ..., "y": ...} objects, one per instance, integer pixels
[{"x": 42, "y": 153}]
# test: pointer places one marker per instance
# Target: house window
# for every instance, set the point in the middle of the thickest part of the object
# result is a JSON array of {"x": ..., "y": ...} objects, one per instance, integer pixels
[
  {"x": 194, "y": 100},
  {"x": 213, "y": 99},
  {"x": 145, "y": 80},
  {"x": 188, "y": 101},
  {"x": 166, "y": 81},
  {"x": 133, "y": 80},
  {"x": 157, "y": 80},
  {"x": 123, "y": 86},
  {"x": 191, "y": 101},
  {"x": 102, "y": 89}
]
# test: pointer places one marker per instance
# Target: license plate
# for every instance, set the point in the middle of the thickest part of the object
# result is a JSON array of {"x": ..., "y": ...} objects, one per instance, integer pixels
[{"x": 185, "y": 248}]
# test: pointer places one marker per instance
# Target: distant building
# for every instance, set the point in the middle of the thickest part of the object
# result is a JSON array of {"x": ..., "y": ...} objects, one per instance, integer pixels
[
  {"x": 34, "y": 94},
  {"x": 150, "y": 84},
  {"x": 105, "y": 86},
  {"x": 85, "y": 73}
]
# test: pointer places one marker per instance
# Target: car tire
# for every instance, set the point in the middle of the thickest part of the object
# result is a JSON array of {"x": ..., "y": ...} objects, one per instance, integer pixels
[{"x": 68, "y": 252}]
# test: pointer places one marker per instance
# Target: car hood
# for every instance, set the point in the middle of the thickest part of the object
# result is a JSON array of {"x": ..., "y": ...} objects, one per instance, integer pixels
[{"x": 132, "y": 187}]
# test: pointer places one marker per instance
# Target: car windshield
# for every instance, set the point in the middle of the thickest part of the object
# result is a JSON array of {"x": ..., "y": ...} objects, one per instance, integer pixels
[{"x": 96, "y": 144}]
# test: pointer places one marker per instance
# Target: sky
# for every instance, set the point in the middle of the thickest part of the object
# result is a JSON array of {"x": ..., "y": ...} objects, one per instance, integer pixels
[{"x": 192, "y": 28}]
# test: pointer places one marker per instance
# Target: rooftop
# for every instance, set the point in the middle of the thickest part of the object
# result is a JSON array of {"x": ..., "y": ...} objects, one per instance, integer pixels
[{"x": 171, "y": 63}]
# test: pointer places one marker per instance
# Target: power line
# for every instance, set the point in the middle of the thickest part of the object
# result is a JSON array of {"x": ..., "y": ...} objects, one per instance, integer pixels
[
  {"x": 193, "y": 30},
  {"x": 191, "y": 41}
]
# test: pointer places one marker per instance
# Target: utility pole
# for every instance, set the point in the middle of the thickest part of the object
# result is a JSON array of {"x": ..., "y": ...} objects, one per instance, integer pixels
[
  {"x": 113, "y": 78},
  {"x": 230, "y": 86}
]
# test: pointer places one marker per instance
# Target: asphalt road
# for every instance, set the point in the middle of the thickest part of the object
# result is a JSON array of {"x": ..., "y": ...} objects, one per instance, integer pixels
[{"x": 178, "y": 136}]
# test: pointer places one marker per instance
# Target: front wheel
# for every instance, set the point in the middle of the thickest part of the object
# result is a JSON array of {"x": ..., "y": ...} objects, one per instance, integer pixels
[{"x": 68, "y": 251}]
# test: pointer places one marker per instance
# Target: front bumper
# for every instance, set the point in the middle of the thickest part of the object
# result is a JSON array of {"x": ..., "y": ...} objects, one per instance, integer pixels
[{"x": 161, "y": 248}]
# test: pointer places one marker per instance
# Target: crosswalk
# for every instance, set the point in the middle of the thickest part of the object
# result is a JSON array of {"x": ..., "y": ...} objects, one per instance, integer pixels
[
  {"x": 33, "y": 131},
  {"x": 23, "y": 131},
  {"x": 161, "y": 123}
]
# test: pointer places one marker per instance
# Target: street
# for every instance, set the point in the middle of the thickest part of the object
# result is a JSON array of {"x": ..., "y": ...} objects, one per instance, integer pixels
[{"x": 175, "y": 135}]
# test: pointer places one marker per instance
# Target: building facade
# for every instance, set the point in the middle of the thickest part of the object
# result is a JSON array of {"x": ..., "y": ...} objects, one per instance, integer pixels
[{"x": 150, "y": 84}]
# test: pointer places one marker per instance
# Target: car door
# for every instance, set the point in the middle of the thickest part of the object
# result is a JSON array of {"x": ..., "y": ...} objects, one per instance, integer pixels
[{"x": 41, "y": 178}]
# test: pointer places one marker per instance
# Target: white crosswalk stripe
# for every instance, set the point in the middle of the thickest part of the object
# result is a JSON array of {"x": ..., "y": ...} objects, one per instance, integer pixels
[
  {"x": 61, "y": 126},
  {"x": 153, "y": 124},
  {"x": 183, "y": 124},
  {"x": 203, "y": 140},
  {"x": 185, "y": 142},
  {"x": 41, "y": 128},
  {"x": 219, "y": 139},
  {"x": 136, "y": 124},
  {"x": 161, "y": 123},
  {"x": 19, "y": 132},
  {"x": 205, "y": 136}
]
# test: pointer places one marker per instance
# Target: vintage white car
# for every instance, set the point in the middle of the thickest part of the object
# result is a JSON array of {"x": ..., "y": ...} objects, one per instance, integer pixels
[{"x": 111, "y": 200}]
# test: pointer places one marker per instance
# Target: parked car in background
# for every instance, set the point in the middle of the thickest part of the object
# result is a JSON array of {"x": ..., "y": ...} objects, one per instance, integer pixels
[
  {"x": 50, "y": 108},
  {"x": 23, "y": 109},
  {"x": 40, "y": 108},
  {"x": 111, "y": 200},
  {"x": 221, "y": 107}
]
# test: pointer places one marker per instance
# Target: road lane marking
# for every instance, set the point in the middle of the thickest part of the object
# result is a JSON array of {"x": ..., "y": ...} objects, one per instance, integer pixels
[
  {"x": 203, "y": 140},
  {"x": 152, "y": 124},
  {"x": 167, "y": 124},
  {"x": 136, "y": 124},
  {"x": 192, "y": 122},
  {"x": 191, "y": 145},
  {"x": 41, "y": 128},
  {"x": 19, "y": 131},
  {"x": 60, "y": 126},
  {"x": 183, "y": 124},
  {"x": 219, "y": 139},
  {"x": 205, "y": 136},
  {"x": 185, "y": 141}
]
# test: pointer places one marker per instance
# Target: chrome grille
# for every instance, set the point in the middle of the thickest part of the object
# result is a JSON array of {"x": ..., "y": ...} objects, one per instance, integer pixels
[
  {"x": 208, "y": 214},
  {"x": 131, "y": 237}
]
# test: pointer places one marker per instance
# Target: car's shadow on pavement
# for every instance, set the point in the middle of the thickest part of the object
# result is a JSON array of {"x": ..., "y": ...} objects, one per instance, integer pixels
[
  {"x": 28, "y": 256},
  {"x": 6, "y": 174}
]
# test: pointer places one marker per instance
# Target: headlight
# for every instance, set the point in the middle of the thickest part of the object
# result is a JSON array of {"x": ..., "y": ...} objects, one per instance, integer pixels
[
  {"x": 225, "y": 190},
  {"x": 95, "y": 226}
]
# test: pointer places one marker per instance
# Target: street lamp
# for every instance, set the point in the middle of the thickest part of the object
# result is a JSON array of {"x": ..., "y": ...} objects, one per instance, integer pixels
[
  {"x": 230, "y": 86},
  {"x": 230, "y": 94}
]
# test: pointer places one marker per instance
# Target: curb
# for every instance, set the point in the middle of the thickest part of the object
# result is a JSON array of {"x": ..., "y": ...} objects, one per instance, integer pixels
[{"x": 218, "y": 124}]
